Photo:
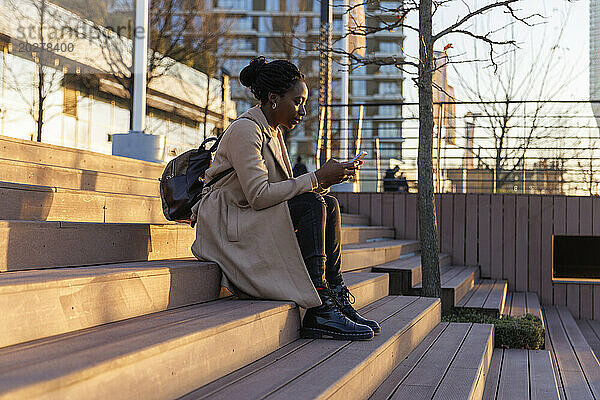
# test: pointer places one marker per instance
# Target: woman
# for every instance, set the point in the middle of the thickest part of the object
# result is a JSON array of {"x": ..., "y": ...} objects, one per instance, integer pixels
[{"x": 275, "y": 236}]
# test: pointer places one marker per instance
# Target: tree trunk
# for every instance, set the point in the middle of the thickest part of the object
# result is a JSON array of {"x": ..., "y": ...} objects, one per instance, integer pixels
[
  {"x": 427, "y": 224},
  {"x": 41, "y": 77}
]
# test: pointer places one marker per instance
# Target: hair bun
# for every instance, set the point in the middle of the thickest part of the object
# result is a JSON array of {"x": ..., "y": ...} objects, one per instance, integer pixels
[{"x": 250, "y": 72}]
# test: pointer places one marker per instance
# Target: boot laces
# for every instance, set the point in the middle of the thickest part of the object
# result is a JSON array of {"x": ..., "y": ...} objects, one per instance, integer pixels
[{"x": 344, "y": 296}]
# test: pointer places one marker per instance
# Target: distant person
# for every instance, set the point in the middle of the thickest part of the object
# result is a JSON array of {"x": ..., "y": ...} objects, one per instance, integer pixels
[
  {"x": 299, "y": 168},
  {"x": 402, "y": 183},
  {"x": 390, "y": 183}
]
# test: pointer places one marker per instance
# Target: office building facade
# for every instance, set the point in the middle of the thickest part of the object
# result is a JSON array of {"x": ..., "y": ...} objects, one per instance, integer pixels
[{"x": 289, "y": 29}]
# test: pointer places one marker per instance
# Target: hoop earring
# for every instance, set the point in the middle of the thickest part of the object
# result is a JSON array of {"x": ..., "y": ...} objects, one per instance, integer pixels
[{"x": 274, "y": 106}]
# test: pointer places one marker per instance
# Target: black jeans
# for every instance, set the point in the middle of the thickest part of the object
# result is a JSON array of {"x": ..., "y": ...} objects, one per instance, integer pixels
[{"x": 317, "y": 222}]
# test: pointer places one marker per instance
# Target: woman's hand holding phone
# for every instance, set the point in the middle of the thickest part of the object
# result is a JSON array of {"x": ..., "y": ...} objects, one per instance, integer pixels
[{"x": 334, "y": 171}]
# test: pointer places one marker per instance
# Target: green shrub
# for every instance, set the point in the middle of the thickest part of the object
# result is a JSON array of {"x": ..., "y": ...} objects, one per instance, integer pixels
[{"x": 524, "y": 332}]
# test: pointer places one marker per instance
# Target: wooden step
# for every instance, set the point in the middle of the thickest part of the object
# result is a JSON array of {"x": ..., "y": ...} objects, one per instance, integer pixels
[
  {"x": 65, "y": 244},
  {"x": 355, "y": 219},
  {"x": 67, "y": 157},
  {"x": 487, "y": 296},
  {"x": 591, "y": 331},
  {"x": 521, "y": 303},
  {"x": 50, "y": 203},
  {"x": 456, "y": 283},
  {"x": 363, "y": 255},
  {"x": 405, "y": 273},
  {"x": 578, "y": 367},
  {"x": 45, "y": 203},
  {"x": 68, "y": 178},
  {"x": 450, "y": 363},
  {"x": 360, "y": 234},
  {"x": 521, "y": 374},
  {"x": 43, "y": 303},
  {"x": 176, "y": 350},
  {"x": 321, "y": 369}
]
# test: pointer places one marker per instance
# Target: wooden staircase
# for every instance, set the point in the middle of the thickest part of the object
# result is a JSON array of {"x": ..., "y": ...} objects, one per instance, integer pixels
[{"x": 100, "y": 298}]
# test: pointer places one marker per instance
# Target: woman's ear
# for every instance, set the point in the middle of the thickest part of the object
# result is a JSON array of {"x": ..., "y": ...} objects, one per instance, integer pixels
[{"x": 274, "y": 99}]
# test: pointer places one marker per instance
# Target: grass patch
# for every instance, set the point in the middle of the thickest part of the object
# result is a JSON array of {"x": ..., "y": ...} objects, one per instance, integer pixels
[{"x": 524, "y": 332}]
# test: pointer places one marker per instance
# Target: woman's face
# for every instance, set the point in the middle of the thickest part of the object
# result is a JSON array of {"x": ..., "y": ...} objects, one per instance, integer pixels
[{"x": 290, "y": 107}]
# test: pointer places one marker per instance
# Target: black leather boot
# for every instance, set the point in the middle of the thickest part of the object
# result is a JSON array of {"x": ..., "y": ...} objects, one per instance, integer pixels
[
  {"x": 344, "y": 300},
  {"x": 327, "y": 322}
]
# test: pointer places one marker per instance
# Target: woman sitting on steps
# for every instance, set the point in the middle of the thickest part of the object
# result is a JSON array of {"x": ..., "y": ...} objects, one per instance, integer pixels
[{"x": 275, "y": 236}]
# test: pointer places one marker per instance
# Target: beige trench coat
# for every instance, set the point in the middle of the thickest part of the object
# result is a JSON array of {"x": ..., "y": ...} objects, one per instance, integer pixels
[{"x": 243, "y": 221}]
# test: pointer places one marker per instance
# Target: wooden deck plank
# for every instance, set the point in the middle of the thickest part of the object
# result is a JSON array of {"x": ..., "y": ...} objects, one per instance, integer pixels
[
  {"x": 560, "y": 228},
  {"x": 471, "y": 231},
  {"x": 533, "y": 305},
  {"x": 583, "y": 351},
  {"x": 493, "y": 376},
  {"x": 260, "y": 378},
  {"x": 535, "y": 244},
  {"x": 447, "y": 214},
  {"x": 496, "y": 237},
  {"x": 514, "y": 376},
  {"x": 546, "y": 243},
  {"x": 522, "y": 246},
  {"x": 571, "y": 375},
  {"x": 590, "y": 335},
  {"x": 481, "y": 292},
  {"x": 519, "y": 304},
  {"x": 376, "y": 208},
  {"x": 400, "y": 215},
  {"x": 573, "y": 299},
  {"x": 542, "y": 381},
  {"x": 586, "y": 299},
  {"x": 508, "y": 303},
  {"x": 387, "y": 209},
  {"x": 433, "y": 366},
  {"x": 397, "y": 376},
  {"x": 331, "y": 376},
  {"x": 458, "y": 229},
  {"x": 484, "y": 243},
  {"x": 465, "y": 377},
  {"x": 495, "y": 300},
  {"x": 509, "y": 240},
  {"x": 412, "y": 212}
]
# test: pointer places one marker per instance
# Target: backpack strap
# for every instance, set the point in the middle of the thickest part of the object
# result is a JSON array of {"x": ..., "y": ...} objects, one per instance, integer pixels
[{"x": 213, "y": 148}]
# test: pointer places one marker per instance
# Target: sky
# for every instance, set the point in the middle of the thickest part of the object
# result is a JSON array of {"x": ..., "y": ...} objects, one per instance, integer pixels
[
  {"x": 572, "y": 55},
  {"x": 538, "y": 47}
]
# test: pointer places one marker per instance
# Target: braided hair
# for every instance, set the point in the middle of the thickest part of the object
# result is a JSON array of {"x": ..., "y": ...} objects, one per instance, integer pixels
[{"x": 264, "y": 77}]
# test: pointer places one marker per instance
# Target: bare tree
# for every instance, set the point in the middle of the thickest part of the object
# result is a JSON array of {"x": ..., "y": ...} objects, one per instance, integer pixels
[
  {"x": 48, "y": 75},
  {"x": 423, "y": 67},
  {"x": 181, "y": 31},
  {"x": 513, "y": 128},
  {"x": 588, "y": 165}
]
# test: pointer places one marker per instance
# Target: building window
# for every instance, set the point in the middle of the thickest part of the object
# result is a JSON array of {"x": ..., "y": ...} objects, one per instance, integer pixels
[
  {"x": 388, "y": 69},
  {"x": 387, "y": 111},
  {"x": 388, "y": 88},
  {"x": 359, "y": 88},
  {"x": 235, "y": 4},
  {"x": 389, "y": 47},
  {"x": 70, "y": 102}
]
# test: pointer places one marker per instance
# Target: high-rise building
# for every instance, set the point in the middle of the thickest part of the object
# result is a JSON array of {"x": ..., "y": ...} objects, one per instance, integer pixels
[{"x": 289, "y": 29}]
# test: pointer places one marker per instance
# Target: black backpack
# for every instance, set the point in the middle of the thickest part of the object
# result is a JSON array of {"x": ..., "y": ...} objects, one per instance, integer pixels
[{"x": 183, "y": 180}]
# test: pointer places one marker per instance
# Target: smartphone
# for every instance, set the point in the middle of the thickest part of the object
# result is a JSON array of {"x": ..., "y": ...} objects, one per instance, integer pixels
[{"x": 359, "y": 156}]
